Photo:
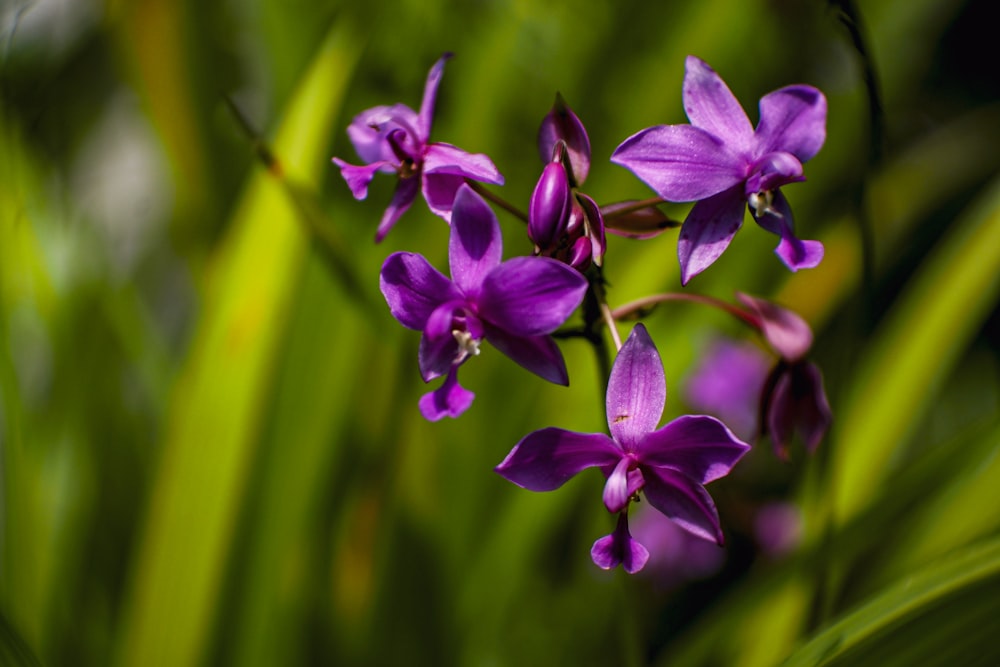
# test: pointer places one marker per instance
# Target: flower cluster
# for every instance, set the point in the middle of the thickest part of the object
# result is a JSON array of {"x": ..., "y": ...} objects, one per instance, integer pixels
[{"x": 720, "y": 162}]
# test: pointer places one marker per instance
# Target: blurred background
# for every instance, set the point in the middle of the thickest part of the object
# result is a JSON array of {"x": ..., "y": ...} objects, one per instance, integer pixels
[{"x": 210, "y": 449}]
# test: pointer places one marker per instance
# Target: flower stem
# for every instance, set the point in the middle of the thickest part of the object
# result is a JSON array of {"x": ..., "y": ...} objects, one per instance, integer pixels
[
  {"x": 498, "y": 200},
  {"x": 638, "y": 308}
]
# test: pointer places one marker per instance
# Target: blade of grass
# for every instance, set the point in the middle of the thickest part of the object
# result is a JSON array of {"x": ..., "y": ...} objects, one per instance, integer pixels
[{"x": 213, "y": 425}]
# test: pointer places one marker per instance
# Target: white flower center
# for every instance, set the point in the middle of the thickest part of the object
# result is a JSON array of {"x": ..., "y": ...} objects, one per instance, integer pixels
[
  {"x": 467, "y": 345},
  {"x": 761, "y": 202}
]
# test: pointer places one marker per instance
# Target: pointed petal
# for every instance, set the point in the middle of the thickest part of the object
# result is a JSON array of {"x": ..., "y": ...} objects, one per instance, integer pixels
[
  {"x": 792, "y": 119},
  {"x": 475, "y": 246},
  {"x": 711, "y": 106},
  {"x": 544, "y": 460},
  {"x": 773, "y": 170},
  {"x": 619, "y": 548},
  {"x": 561, "y": 124},
  {"x": 637, "y": 390},
  {"x": 402, "y": 198},
  {"x": 708, "y": 230},
  {"x": 538, "y": 354},
  {"x": 698, "y": 446},
  {"x": 413, "y": 288},
  {"x": 531, "y": 296},
  {"x": 795, "y": 253},
  {"x": 369, "y": 131},
  {"x": 426, "y": 117},
  {"x": 684, "y": 500},
  {"x": 681, "y": 162},
  {"x": 785, "y": 331},
  {"x": 440, "y": 158},
  {"x": 798, "y": 403},
  {"x": 358, "y": 178},
  {"x": 449, "y": 400}
]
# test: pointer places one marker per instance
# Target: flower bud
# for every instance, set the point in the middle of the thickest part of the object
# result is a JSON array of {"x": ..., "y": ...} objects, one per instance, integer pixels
[
  {"x": 561, "y": 124},
  {"x": 550, "y": 206}
]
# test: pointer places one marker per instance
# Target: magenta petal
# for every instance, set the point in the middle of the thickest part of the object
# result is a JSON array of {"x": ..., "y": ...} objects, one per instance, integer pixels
[
  {"x": 358, "y": 178},
  {"x": 440, "y": 158},
  {"x": 708, "y": 230},
  {"x": 439, "y": 193},
  {"x": 795, "y": 253},
  {"x": 531, "y": 296},
  {"x": 711, "y": 106},
  {"x": 681, "y": 162},
  {"x": 413, "y": 288},
  {"x": 785, "y": 331},
  {"x": 619, "y": 548},
  {"x": 684, "y": 500},
  {"x": 544, "y": 460},
  {"x": 475, "y": 246},
  {"x": 449, "y": 400},
  {"x": 698, "y": 446},
  {"x": 637, "y": 390},
  {"x": 402, "y": 198},
  {"x": 538, "y": 354},
  {"x": 792, "y": 119},
  {"x": 624, "y": 482},
  {"x": 426, "y": 116}
]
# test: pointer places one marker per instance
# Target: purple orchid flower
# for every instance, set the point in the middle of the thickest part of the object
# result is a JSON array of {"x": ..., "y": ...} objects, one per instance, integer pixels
[
  {"x": 396, "y": 139},
  {"x": 727, "y": 384},
  {"x": 514, "y": 305},
  {"x": 723, "y": 163},
  {"x": 793, "y": 399},
  {"x": 670, "y": 465}
]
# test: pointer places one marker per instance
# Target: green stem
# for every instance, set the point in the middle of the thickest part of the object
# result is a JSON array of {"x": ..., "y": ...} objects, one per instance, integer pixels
[{"x": 498, "y": 200}]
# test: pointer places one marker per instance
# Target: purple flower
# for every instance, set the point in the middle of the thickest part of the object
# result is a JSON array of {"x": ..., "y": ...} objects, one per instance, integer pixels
[
  {"x": 514, "y": 305},
  {"x": 396, "y": 139},
  {"x": 723, "y": 163},
  {"x": 727, "y": 384},
  {"x": 793, "y": 399},
  {"x": 670, "y": 465}
]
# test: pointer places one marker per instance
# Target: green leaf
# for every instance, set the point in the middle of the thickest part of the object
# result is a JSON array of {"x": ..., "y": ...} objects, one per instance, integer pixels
[{"x": 943, "y": 615}]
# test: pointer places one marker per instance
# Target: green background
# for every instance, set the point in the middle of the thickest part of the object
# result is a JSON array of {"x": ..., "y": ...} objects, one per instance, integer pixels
[{"x": 210, "y": 450}]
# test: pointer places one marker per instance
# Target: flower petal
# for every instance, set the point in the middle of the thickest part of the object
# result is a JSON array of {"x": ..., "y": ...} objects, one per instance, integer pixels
[
  {"x": 795, "y": 253},
  {"x": 684, "y": 500},
  {"x": 711, "y": 106},
  {"x": 544, "y": 460},
  {"x": 708, "y": 230},
  {"x": 426, "y": 116},
  {"x": 449, "y": 400},
  {"x": 619, "y": 548},
  {"x": 792, "y": 119},
  {"x": 441, "y": 158},
  {"x": 624, "y": 482},
  {"x": 439, "y": 350},
  {"x": 785, "y": 331},
  {"x": 413, "y": 288},
  {"x": 637, "y": 390},
  {"x": 538, "y": 354},
  {"x": 531, "y": 296},
  {"x": 402, "y": 198},
  {"x": 475, "y": 246},
  {"x": 369, "y": 131},
  {"x": 681, "y": 162},
  {"x": 358, "y": 178},
  {"x": 698, "y": 446},
  {"x": 798, "y": 403}
]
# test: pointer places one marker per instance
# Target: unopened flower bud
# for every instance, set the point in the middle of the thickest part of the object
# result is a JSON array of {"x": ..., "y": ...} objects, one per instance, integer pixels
[{"x": 550, "y": 206}]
